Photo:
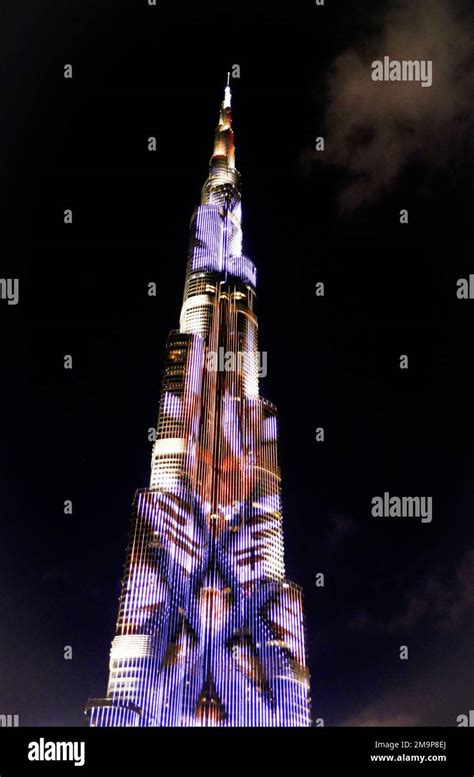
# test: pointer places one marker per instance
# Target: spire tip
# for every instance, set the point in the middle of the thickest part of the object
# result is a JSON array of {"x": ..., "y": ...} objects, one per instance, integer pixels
[{"x": 227, "y": 93}]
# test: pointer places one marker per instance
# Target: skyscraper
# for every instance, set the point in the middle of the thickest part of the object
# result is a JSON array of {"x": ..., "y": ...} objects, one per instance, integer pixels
[{"x": 209, "y": 631}]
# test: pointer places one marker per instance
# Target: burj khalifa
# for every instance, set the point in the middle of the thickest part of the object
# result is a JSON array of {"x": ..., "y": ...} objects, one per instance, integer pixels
[{"x": 210, "y": 632}]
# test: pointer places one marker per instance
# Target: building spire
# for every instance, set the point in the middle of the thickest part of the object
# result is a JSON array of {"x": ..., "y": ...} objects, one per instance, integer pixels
[
  {"x": 227, "y": 94},
  {"x": 222, "y": 183},
  {"x": 224, "y": 137}
]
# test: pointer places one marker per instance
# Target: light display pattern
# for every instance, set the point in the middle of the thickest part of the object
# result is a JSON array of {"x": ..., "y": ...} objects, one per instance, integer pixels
[{"x": 209, "y": 631}]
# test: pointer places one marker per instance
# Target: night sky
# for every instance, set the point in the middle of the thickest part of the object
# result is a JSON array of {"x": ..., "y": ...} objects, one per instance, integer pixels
[{"x": 333, "y": 361}]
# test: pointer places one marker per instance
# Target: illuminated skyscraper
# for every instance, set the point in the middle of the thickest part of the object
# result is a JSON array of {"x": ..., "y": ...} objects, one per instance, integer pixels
[{"x": 209, "y": 631}]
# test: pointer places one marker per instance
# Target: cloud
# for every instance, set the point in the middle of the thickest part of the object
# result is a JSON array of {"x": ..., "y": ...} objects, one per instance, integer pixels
[
  {"x": 374, "y": 129},
  {"x": 440, "y": 602},
  {"x": 432, "y": 691}
]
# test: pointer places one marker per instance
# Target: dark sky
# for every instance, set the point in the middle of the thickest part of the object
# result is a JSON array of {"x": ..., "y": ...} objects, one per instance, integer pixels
[{"x": 332, "y": 361}]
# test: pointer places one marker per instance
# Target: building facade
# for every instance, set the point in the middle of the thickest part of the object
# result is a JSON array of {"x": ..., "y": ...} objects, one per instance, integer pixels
[{"x": 209, "y": 630}]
